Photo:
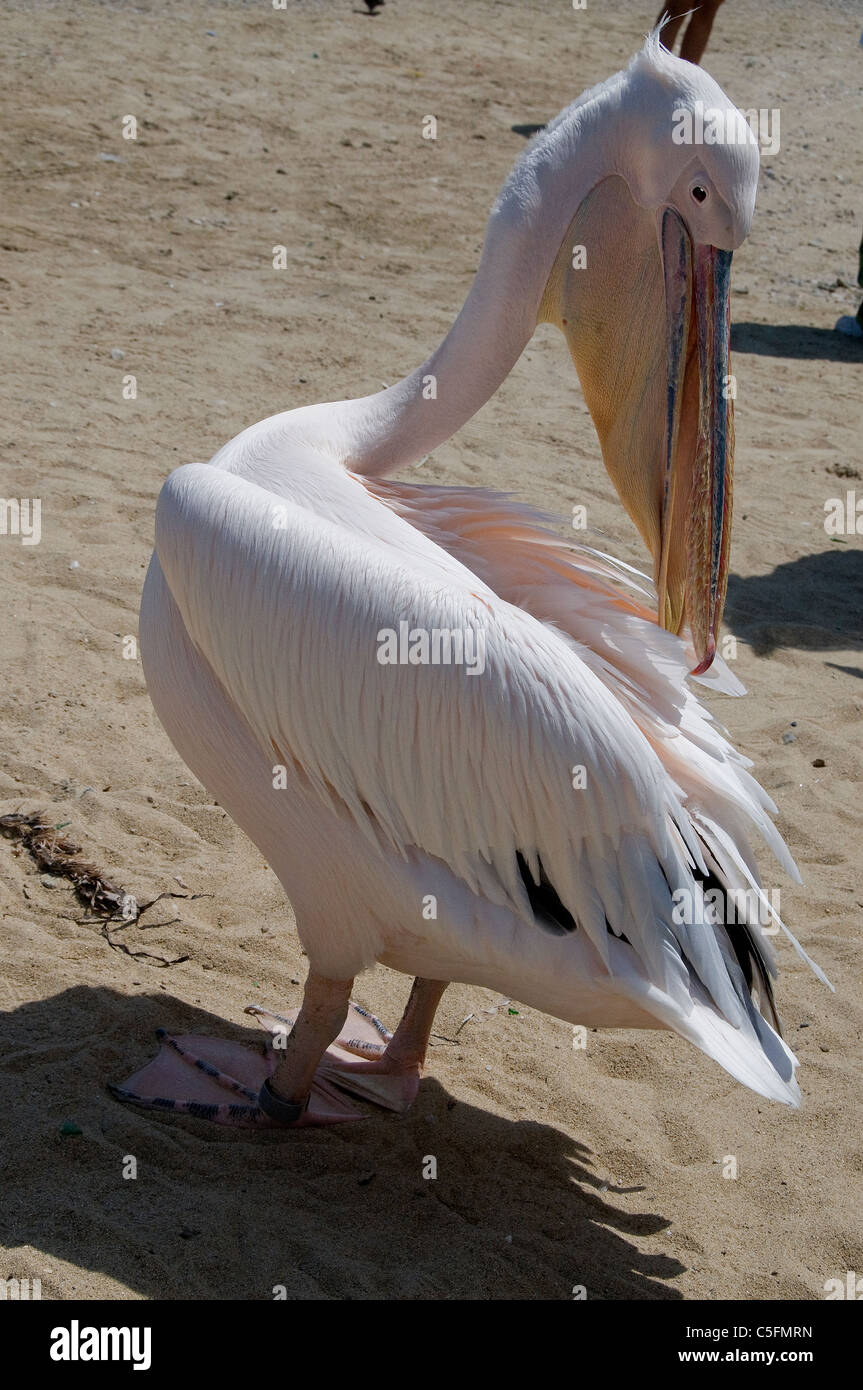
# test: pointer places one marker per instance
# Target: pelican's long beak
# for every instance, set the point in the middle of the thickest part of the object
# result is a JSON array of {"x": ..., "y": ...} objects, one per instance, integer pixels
[
  {"x": 646, "y": 317},
  {"x": 695, "y": 528}
]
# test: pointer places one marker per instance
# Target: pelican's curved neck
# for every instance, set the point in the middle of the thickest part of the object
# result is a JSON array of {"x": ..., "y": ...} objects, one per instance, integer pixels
[
  {"x": 397, "y": 426},
  {"x": 405, "y": 422}
]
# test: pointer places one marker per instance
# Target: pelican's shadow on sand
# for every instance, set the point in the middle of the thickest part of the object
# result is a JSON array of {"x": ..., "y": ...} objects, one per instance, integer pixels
[
  {"x": 798, "y": 340},
  {"x": 814, "y": 603},
  {"x": 216, "y": 1213}
]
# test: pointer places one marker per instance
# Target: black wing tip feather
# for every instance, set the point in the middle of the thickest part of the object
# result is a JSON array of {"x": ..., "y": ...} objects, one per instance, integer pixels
[
  {"x": 553, "y": 916},
  {"x": 544, "y": 899}
]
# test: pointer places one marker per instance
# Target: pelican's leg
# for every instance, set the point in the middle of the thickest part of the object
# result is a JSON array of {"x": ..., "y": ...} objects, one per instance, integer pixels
[
  {"x": 390, "y": 1074},
  {"x": 409, "y": 1043},
  {"x": 286, "y": 1094},
  {"x": 217, "y": 1079},
  {"x": 304, "y": 1073}
]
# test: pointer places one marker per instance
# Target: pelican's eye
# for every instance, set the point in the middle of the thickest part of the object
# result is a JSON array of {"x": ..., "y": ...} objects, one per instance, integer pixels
[{"x": 699, "y": 192}]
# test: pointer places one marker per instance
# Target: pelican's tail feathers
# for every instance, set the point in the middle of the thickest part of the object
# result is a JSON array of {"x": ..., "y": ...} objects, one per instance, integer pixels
[
  {"x": 752, "y": 1051},
  {"x": 757, "y": 1056}
]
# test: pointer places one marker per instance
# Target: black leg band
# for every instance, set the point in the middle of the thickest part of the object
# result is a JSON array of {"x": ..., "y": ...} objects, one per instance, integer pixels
[{"x": 284, "y": 1112}]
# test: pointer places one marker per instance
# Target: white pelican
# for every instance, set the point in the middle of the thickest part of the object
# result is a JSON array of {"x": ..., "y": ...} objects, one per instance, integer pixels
[{"x": 426, "y": 814}]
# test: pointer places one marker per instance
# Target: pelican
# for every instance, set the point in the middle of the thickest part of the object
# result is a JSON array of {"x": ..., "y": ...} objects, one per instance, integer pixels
[{"x": 468, "y": 750}]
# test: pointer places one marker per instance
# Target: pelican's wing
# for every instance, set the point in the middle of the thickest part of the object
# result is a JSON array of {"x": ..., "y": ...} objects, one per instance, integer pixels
[
  {"x": 519, "y": 756},
  {"x": 609, "y": 610}
]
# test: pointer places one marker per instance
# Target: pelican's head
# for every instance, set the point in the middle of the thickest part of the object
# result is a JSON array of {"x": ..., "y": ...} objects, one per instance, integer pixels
[{"x": 640, "y": 288}]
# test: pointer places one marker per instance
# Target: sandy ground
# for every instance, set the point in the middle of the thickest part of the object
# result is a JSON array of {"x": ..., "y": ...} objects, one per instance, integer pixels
[{"x": 601, "y": 1168}]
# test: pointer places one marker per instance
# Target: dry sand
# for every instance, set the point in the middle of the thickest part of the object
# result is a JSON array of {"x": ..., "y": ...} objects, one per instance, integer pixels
[{"x": 602, "y": 1168}]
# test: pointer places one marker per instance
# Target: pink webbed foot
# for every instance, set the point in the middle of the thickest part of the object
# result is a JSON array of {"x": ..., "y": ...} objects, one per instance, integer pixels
[
  {"x": 376, "y": 1078},
  {"x": 217, "y": 1080}
]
